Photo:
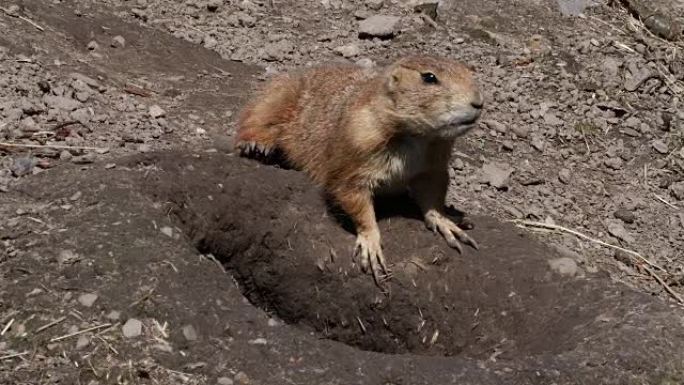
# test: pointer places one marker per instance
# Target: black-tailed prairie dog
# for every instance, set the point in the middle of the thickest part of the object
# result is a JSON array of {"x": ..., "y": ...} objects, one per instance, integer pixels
[{"x": 362, "y": 132}]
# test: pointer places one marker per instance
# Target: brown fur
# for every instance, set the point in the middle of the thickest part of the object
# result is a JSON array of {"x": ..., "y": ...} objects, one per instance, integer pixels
[{"x": 359, "y": 133}]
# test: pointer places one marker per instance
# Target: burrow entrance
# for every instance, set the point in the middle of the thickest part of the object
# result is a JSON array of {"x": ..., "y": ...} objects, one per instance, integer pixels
[{"x": 276, "y": 235}]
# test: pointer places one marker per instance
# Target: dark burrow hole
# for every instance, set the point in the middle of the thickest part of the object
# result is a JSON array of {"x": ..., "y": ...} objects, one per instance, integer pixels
[{"x": 502, "y": 301}]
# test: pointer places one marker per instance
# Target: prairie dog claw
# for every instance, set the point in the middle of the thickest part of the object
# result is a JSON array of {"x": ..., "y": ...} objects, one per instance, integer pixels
[
  {"x": 369, "y": 251},
  {"x": 437, "y": 222},
  {"x": 251, "y": 149}
]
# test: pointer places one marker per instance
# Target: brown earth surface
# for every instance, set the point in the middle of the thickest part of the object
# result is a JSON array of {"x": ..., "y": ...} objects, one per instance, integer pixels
[{"x": 184, "y": 264}]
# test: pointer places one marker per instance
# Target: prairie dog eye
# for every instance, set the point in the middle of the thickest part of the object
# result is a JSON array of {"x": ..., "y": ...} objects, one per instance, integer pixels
[{"x": 429, "y": 77}]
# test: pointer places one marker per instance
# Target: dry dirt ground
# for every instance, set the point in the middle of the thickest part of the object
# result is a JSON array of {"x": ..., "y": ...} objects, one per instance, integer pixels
[{"x": 121, "y": 262}]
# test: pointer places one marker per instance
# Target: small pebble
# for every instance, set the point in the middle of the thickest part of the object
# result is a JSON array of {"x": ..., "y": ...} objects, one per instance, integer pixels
[
  {"x": 660, "y": 146},
  {"x": 625, "y": 215},
  {"x": 258, "y": 341},
  {"x": 118, "y": 41},
  {"x": 241, "y": 378},
  {"x": 87, "y": 299},
  {"x": 82, "y": 342},
  {"x": 564, "y": 176},
  {"x": 132, "y": 328},
  {"x": 167, "y": 231},
  {"x": 156, "y": 112},
  {"x": 564, "y": 266},
  {"x": 114, "y": 315},
  {"x": 189, "y": 333}
]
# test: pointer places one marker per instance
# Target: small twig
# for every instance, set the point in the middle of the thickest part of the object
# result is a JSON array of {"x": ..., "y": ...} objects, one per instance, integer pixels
[
  {"x": 665, "y": 285},
  {"x": 80, "y": 332},
  {"x": 577, "y": 233},
  {"x": 6, "y": 328},
  {"x": 7, "y": 357},
  {"x": 363, "y": 327},
  {"x": 51, "y": 324},
  {"x": 170, "y": 264},
  {"x": 143, "y": 298},
  {"x": 56, "y": 146},
  {"x": 26, "y": 19},
  {"x": 648, "y": 270},
  {"x": 109, "y": 346},
  {"x": 658, "y": 197}
]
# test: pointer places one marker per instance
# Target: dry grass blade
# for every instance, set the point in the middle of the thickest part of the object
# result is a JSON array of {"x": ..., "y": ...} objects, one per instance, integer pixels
[
  {"x": 24, "y": 18},
  {"x": 588, "y": 238},
  {"x": 14, "y": 355},
  {"x": 652, "y": 273},
  {"x": 51, "y": 324},
  {"x": 80, "y": 332}
]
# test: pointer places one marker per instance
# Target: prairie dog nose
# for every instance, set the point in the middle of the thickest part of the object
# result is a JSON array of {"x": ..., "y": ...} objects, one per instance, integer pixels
[{"x": 477, "y": 101}]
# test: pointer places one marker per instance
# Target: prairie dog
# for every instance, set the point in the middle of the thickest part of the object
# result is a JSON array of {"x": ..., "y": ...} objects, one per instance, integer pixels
[{"x": 360, "y": 133}]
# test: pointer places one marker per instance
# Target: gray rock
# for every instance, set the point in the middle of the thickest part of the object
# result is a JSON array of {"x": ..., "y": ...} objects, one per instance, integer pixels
[
  {"x": 92, "y": 45},
  {"x": 381, "y": 26},
  {"x": 611, "y": 67},
  {"x": 61, "y": 102},
  {"x": 538, "y": 144},
  {"x": 618, "y": 231},
  {"x": 82, "y": 342},
  {"x": 624, "y": 215},
  {"x": 633, "y": 122},
  {"x": 242, "y": 379},
  {"x": 551, "y": 119},
  {"x": 496, "y": 126},
  {"x": 82, "y": 115},
  {"x": 132, "y": 328},
  {"x": 365, "y": 63},
  {"x": 636, "y": 77},
  {"x": 375, "y": 4},
  {"x": 631, "y": 132},
  {"x": 224, "y": 381},
  {"x": 660, "y": 146},
  {"x": 87, "y": 299},
  {"x": 574, "y": 7},
  {"x": 429, "y": 9},
  {"x": 565, "y": 176},
  {"x": 614, "y": 163},
  {"x": 520, "y": 131},
  {"x": 189, "y": 333},
  {"x": 277, "y": 51},
  {"x": 496, "y": 175},
  {"x": 23, "y": 165},
  {"x": 114, "y": 315},
  {"x": 677, "y": 190},
  {"x": 83, "y": 159},
  {"x": 118, "y": 41},
  {"x": 156, "y": 112},
  {"x": 67, "y": 257},
  {"x": 348, "y": 51},
  {"x": 564, "y": 266},
  {"x": 87, "y": 80},
  {"x": 167, "y": 231},
  {"x": 458, "y": 164},
  {"x": 214, "y": 5}
]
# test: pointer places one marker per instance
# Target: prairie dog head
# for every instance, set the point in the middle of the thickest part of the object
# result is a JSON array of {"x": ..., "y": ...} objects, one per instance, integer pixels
[{"x": 433, "y": 96}]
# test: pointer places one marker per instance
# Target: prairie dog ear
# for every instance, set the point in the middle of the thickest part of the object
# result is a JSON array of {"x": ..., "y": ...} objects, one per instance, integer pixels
[{"x": 397, "y": 77}]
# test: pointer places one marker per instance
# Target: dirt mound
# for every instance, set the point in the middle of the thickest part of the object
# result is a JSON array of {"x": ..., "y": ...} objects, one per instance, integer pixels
[{"x": 292, "y": 259}]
